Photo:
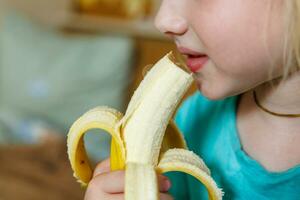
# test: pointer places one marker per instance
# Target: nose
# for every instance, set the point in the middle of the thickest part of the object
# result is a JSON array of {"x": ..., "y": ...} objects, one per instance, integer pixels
[{"x": 169, "y": 21}]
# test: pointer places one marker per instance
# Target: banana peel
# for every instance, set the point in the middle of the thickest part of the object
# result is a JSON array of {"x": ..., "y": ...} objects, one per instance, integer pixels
[{"x": 145, "y": 141}]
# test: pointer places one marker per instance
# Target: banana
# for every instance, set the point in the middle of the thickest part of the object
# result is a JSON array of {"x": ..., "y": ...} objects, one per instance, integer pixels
[{"x": 145, "y": 141}]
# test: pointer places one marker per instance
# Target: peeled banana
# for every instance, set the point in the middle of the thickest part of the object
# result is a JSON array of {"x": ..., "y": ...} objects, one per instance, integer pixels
[{"x": 145, "y": 141}]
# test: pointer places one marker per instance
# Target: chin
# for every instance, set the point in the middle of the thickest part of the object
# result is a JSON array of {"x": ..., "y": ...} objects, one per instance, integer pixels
[{"x": 214, "y": 93}]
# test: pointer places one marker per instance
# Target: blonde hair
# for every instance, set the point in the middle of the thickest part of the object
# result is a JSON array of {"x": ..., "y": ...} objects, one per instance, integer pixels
[{"x": 292, "y": 37}]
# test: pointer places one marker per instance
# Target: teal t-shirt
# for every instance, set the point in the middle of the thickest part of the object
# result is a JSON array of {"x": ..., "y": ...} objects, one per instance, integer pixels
[{"x": 210, "y": 130}]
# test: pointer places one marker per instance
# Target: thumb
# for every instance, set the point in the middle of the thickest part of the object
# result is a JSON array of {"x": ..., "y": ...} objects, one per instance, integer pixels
[{"x": 102, "y": 167}]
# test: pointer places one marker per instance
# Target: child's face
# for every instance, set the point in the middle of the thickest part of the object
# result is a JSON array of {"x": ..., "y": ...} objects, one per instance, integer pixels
[{"x": 239, "y": 37}]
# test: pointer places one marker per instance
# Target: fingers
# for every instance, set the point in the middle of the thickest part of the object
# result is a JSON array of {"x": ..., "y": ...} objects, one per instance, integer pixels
[
  {"x": 113, "y": 197},
  {"x": 113, "y": 182},
  {"x": 102, "y": 167},
  {"x": 110, "y": 182},
  {"x": 101, "y": 175},
  {"x": 98, "y": 195},
  {"x": 165, "y": 196},
  {"x": 107, "y": 184},
  {"x": 164, "y": 183},
  {"x": 162, "y": 196}
]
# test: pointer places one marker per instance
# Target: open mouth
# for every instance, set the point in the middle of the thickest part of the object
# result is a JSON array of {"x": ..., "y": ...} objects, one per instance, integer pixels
[
  {"x": 196, "y": 63},
  {"x": 194, "y": 60}
]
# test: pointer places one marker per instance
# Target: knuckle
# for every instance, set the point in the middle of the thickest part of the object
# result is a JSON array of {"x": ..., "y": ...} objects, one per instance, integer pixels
[
  {"x": 96, "y": 183},
  {"x": 108, "y": 182},
  {"x": 102, "y": 167},
  {"x": 93, "y": 191},
  {"x": 103, "y": 163}
]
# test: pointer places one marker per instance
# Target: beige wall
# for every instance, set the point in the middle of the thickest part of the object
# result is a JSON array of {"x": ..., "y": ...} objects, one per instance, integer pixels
[
  {"x": 1, "y": 10},
  {"x": 49, "y": 12}
]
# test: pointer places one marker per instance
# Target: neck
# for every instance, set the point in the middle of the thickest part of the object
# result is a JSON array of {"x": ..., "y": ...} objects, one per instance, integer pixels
[
  {"x": 282, "y": 96},
  {"x": 268, "y": 138}
]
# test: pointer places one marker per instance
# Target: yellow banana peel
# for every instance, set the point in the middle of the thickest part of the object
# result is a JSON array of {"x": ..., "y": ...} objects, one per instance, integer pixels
[{"x": 145, "y": 141}]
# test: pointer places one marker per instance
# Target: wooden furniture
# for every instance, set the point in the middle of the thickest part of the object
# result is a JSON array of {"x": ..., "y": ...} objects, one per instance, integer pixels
[{"x": 37, "y": 172}]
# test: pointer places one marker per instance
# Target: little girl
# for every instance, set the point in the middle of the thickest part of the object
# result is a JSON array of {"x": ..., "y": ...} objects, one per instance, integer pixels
[{"x": 245, "y": 120}]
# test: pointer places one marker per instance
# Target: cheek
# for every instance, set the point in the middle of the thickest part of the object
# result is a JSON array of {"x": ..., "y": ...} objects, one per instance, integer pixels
[
  {"x": 232, "y": 32},
  {"x": 235, "y": 41}
]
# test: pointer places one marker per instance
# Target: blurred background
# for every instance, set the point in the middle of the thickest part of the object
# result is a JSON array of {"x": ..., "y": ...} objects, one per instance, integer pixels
[{"x": 58, "y": 59}]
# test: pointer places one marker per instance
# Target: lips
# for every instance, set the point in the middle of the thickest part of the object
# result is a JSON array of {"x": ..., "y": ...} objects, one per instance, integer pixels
[
  {"x": 196, "y": 63},
  {"x": 195, "y": 60}
]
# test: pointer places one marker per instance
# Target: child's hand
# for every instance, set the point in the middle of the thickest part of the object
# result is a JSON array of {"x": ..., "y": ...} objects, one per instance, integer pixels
[{"x": 107, "y": 185}]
